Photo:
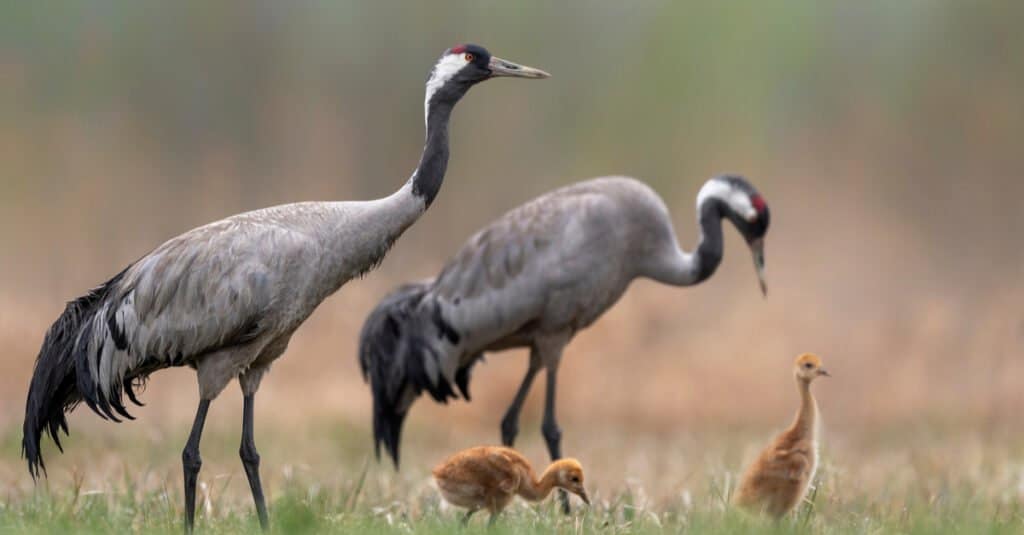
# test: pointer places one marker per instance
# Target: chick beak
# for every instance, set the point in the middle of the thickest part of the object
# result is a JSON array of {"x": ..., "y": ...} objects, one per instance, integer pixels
[
  {"x": 823, "y": 372},
  {"x": 584, "y": 497}
]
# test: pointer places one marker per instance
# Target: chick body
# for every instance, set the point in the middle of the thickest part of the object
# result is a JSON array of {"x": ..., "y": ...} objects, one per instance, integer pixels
[
  {"x": 777, "y": 481},
  {"x": 489, "y": 477}
]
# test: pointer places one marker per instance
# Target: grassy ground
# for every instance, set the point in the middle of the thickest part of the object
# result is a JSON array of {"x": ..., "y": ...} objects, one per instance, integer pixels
[
  {"x": 345, "y": 510},
  {"x": 921, "y": 430},
  {"x": 129, "y": 482}
]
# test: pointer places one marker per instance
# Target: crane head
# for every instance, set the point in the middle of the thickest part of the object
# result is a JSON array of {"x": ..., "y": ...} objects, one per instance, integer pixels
[
  {"x": 741, "y": 203},
  {"x": 462, "y": 66}
]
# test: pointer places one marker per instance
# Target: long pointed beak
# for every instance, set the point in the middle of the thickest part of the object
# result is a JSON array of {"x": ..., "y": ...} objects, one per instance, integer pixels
[
  {"x": 584, "y": 497},
  {"x": 502, "y": 67},
  {"x": 823, "y": 372},
  {"x": 757, "y": 249}
]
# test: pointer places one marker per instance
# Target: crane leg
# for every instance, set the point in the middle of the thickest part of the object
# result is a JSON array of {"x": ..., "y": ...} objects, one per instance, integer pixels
[
  {"x": 552, "y": 432},
  {"x": 251, "y": 460},
  {"x": 191, "y": 463},
  {"x": 510, "y": 423}
]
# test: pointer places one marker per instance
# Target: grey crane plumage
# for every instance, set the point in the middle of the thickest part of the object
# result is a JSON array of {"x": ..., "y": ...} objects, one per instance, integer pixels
[
  {"x": 226, "y": 297},
  {"x": 534, "y": 278}
]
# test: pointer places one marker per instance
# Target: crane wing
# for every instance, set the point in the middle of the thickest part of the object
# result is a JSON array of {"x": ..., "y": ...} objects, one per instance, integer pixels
[
  {"x": 505, "y": 275},
  {"x": 207, "y": 289},
  {"x": 204, "y": 290}
]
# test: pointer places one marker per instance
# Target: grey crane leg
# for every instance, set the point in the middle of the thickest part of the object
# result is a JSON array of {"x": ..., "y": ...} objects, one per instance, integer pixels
[
  {"x": 510, "y": 423},
  {"x": 191, "y": 463},
  {"x": 251, "y": 460},
  {"x": 549, "y": 351},
  {"x": 552, "y": 432}
]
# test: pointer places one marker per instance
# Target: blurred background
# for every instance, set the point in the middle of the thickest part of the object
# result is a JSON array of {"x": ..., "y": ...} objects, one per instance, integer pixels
[{"x": 886, "y": 137}]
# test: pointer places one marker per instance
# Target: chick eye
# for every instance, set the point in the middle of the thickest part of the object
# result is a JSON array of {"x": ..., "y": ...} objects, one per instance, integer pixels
[
  {"x": 469, "y": 57},
  {"x": 808, "y": 365}
]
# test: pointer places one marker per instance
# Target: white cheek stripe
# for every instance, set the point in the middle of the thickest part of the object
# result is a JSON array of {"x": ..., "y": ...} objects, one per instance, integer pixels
[
  {"x": 446, "y": 67},
  {"x": 736, "y": 199}
]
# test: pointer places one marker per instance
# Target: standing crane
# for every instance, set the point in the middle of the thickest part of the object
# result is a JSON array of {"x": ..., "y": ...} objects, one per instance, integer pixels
[
  {"x": 534, "y": 278},
  {"x": 226, "y": 297}
]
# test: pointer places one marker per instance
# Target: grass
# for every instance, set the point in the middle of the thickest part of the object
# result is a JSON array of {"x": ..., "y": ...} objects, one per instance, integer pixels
[
  {"x": 899, "y": 471},
  {"x": 302, "y": 511},
  {"x": 385, "y": 503},
  {"x": 917, "y": 478}
]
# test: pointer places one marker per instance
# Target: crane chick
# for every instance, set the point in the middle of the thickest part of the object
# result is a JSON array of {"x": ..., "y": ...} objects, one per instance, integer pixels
[
  {"x": 488, "y": 477},
  {"x": 778, "y": 480}
]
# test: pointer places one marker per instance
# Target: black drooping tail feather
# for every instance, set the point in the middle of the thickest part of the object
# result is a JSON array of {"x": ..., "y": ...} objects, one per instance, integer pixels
[
  {"x": 54, "y": 388},
  {"x": 399, "y": 342}
]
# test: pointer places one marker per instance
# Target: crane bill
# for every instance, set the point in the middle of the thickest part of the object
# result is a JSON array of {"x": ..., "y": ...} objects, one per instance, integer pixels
[
  {"x": 757, "y": 250},
  {"x": 503, "y": 67}
]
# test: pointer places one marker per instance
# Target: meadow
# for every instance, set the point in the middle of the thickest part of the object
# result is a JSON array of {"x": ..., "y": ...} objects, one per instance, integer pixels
[
  {"x": 663, "y": 458},
  {"x": 678, "y": 484}
]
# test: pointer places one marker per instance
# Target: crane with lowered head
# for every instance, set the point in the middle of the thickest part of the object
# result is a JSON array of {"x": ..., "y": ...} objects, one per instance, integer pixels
[{"x": 534, "y": 278}]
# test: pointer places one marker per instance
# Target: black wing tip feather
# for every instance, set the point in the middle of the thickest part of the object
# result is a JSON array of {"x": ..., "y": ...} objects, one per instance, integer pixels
[
  {"x": 30, "y": 452},
  {"x": 394, "y": 347},
  {"x": 129, "y": 389},
  {"x": 57, "y": 385},
  {"x": 387, "y": 431}
]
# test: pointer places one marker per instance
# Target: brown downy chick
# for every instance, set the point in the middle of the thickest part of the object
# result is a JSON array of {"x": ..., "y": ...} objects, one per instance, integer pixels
[
  {"x": 778, "y": 480},
  {"x": 488, "y": 477}
]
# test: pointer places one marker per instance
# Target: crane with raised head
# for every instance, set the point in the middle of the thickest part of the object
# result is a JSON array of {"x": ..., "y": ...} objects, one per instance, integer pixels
[
  {"x": 534, "y": 278},
  {"x": 225, "y": 298}
]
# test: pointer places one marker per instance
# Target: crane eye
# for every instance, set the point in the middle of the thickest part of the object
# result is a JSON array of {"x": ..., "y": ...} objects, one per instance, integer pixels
[
  {"x": 469, "y": 57},
  {"x": 808, "y": 365}
]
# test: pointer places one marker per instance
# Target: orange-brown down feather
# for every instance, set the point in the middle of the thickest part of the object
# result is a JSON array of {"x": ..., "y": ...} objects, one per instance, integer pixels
[
  {"x": 779, "y": 478},
  {"x": 488, "y": 477}
]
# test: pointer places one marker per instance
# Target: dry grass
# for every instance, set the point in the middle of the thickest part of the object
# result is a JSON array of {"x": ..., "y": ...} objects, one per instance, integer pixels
[
  {"x": 917, "y": 481},
  {"x": 663, "y": 418}
]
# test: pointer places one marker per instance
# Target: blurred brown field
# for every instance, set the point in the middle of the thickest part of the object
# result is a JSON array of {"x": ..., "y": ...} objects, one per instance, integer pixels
[{"x": 886, "y": 139}]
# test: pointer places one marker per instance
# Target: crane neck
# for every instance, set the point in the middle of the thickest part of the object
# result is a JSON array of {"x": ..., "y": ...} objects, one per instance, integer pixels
[
  {"x": 686, "y": 269},
  {"x": 360, "y": 233},
  {"x": 711, "y": 245},
  {"x": 403, "y": 207},
  {"x": 429, "y": 174}
]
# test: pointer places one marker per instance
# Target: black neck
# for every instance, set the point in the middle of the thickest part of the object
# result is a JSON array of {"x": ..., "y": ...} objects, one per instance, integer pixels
[
  {"x": 434, "y": 162},
  {"x": 709, "y": 251}
]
